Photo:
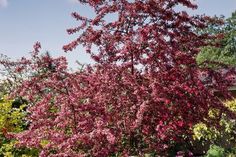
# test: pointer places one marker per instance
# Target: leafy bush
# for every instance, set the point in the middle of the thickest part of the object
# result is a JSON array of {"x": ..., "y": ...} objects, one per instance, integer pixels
[
  {"x": 12, "y": 121},
  {"x": 231, "y": 105},
  {"x": 224, "y": 135},
  {"x": 217, "y": 151},
  {"x": 201, "y": 131},
  {"x": 11, "y": 118}
]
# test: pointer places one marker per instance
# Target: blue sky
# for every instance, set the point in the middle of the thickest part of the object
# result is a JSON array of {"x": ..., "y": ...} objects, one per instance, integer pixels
[{"x": 23, "y": 22}]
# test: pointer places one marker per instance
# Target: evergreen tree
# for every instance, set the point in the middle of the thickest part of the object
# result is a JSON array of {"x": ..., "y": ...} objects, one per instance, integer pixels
[{"x": 225, "y": 52}]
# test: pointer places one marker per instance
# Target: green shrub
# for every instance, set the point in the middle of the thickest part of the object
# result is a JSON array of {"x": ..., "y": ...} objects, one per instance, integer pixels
[
  {"x": 12, "y": 119},
  {"x": 224, "y": 136},
  {"x": 216, "y": 151}
]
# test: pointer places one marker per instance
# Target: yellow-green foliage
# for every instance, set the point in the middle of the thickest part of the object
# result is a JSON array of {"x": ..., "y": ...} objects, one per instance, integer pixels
[
  {"x": 12, "y": 120},
  {"x": 6, "y": 149},
  {"x": 231, "y": 105},
  {"x": 9, "y": 150},
  {"x": 202, "y": 132}
]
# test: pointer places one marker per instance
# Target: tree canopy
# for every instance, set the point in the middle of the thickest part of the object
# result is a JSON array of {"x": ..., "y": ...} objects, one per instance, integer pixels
[{"x": 225, "y": 52}]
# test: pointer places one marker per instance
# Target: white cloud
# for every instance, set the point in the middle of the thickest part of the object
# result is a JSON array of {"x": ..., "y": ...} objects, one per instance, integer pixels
[
  {"x": 3, "y": 3},
  {"x": 71, "y": 1}
]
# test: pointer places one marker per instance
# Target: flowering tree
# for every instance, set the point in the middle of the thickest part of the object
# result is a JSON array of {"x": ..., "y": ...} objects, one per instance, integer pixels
[
  {"x": 158, "y": 45},
  {"x": 143, "y": 95}
]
